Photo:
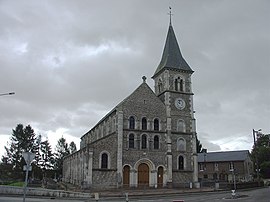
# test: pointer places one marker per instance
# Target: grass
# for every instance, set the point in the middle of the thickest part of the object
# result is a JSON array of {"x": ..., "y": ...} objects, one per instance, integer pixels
[{"x": 16, "y": 184}]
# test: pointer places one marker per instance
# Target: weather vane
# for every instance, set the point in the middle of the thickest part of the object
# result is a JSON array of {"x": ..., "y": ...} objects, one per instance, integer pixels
[{"x": 170, "y": 13}]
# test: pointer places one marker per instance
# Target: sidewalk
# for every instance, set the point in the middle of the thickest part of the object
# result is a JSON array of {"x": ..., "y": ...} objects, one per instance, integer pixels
[
  {"x": 147, "y": 192},
  {"x": 90, "y": 193}
]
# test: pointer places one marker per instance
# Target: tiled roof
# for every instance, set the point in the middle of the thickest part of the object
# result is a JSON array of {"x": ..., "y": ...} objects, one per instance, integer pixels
[
  {"x": 172, "y": 57},
  {"x": 223, "y": 156}
]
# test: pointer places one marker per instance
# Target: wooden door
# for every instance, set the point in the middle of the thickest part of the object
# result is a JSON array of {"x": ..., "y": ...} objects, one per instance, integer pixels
[
  {"x": 160, "y": 176},
  {"x": 143, "y": 175},
  {"x": 126, "y": 173}
]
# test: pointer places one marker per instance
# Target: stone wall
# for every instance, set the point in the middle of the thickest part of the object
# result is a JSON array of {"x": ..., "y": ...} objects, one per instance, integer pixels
[
  {"x": 11, "y": 190},
  {"x": 104, "y": 178}
]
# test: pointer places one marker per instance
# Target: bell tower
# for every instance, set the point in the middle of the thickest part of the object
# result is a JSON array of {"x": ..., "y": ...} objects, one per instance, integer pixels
[{"x": 173, "y": 86}]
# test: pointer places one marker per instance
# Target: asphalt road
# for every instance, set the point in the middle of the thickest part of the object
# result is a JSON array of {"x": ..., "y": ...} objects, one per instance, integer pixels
[{"x": 258, "y": 195}]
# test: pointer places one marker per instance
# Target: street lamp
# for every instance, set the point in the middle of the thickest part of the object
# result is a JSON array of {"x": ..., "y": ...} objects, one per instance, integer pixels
[
  {"x": 11, "y": 93},
  {"x": 255, "y": 133}
]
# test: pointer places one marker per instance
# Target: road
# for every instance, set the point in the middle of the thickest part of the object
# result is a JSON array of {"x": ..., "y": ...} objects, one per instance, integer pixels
[{"x": 259, "y": 195}]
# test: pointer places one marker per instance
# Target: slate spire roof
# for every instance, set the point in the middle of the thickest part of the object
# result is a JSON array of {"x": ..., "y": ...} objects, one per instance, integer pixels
[{"x": 172, "y": 57}]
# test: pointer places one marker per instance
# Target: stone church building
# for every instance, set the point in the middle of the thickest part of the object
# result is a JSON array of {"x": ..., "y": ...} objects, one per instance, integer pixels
[{"x": 149, "y": 139}]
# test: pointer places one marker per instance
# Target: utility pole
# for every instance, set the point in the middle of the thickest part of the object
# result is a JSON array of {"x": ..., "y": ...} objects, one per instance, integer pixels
[{"x": 255, "y": 133}]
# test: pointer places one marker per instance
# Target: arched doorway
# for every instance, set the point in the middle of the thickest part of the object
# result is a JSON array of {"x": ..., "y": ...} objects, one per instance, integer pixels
[
  {"x": 143, "y": 175},
  {"x": 160, "y": 177},
  {"x": 126, "y": 172}
]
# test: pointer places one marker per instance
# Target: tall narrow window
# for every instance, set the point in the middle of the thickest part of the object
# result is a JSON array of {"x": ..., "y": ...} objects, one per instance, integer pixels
[
  {"x": 231, "y": 166},
  {"x": 144, "y": 141},
  {"x": 201, "y": 167},
  {"x": 181, "y": 163},
  {"x": 104, "y": 161},
  {"x": 181, "y": 85},
  {"x": 144, "y": 123},
  {"x": 156, "y": 124},
  {"x": 181, "y": 144},
  {"x": 131, "y": 122},
  {"x": 131, "y": 141},
  {"x": 181, "y": 126},
  {"x": 216, "y": 166},
  {"x": 160, "y": 86},
  {"x": 176, "y": 85},
  {"x": 156, "y": 142}
]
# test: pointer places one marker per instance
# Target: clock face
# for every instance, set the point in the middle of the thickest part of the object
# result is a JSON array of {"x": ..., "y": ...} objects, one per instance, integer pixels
[{"x": 180, "y": 103}]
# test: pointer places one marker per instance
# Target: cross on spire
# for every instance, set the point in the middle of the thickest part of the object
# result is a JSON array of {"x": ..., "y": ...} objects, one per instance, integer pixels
[{"x": 170, "y": 14}]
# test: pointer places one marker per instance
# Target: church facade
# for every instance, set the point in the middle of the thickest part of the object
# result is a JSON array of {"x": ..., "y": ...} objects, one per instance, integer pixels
[{"x": 149, "y": 139}]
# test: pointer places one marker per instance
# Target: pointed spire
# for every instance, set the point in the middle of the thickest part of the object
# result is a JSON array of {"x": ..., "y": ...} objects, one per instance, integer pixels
[{"x": 172, "y": 57}]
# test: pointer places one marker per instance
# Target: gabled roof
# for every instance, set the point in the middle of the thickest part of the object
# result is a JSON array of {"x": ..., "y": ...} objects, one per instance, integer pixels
[
  {"x": 172, "y": 57},
  {"x": 141, "y": 94},
  {"x": 240, "y": 155},
  {"x": 143, "y": 87}
]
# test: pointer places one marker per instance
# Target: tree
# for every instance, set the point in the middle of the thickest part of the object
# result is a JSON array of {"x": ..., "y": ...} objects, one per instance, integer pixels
[
  {"x": 62, "y": 150},
  {"x": 261, "y": 154},
  {"x": 5, "y": 169},
  {"x": 47, "y": 156},
  {"x": 22, "y": 140},
  {"x": 36, "y": 170},
  {"x": 265, "y": 169},
  {"x": 72, "y": 147},
  {"x": 198, "y": 145}
]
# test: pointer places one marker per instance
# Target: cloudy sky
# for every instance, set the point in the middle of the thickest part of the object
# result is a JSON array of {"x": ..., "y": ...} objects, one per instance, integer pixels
[{"x": 70, "y": 62}]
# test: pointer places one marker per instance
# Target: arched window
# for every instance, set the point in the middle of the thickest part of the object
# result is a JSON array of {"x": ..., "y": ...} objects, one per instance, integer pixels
[
  {"x": 156, "y": 142},
  {"x": 181, "y": 144},
  {"x": 179, "y": 84},
  {"x": 181, "y": 126},
  {"x": 131, "y": 141},
  {"x": 180, "y": 163},
  {"x": 144, "y": 123},
  {"x": 156, "y": 124},
  {"x": 144, "y": 141},
  {"x": 131, "y": 122},
  {"x": 104, "y": 161}
]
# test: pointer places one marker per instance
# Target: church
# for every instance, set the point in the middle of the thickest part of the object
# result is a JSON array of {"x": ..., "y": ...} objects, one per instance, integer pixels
[{"x": 148, "y": 139}]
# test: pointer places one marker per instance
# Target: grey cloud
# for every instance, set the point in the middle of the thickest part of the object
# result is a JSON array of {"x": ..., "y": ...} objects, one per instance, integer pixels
[{"x": 70, "y": 62}]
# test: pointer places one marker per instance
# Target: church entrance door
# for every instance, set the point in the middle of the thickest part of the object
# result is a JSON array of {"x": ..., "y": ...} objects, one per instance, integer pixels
[
  {"x": 160, "y": 177},
  {"x": 126, "y": 173},
  {"x": 143, "y": 175}
]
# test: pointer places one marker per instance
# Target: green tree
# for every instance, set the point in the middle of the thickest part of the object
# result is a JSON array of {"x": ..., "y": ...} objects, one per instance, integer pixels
[
  {"x": 5, "y": 169},
  {"x": 47, "y": 156},
  {"x": 22, "y": 140},
  {"x": 36, "y": 150},
  {"x": 198, "y": 145},
  {"x": 265, "y": 169},
  {"x": 261, "y": 153},
  {"x": 62, "y": 150},
  {"x": 36, "y": 170},
  {"x": 72, "y": 147}
]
